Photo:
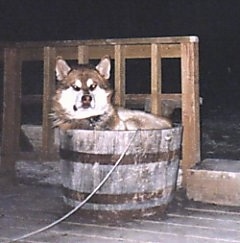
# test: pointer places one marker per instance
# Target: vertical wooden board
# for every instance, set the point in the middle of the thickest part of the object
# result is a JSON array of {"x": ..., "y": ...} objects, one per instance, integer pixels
[
  {"x": 190, "y": 106},
  {"x": 11, "y": 110},
  {"x": 120, "y": 76},
  {"x": 156, "y": 79},
  {"x": 83, "y": 54},
  {"x": 48, "y": 148}
]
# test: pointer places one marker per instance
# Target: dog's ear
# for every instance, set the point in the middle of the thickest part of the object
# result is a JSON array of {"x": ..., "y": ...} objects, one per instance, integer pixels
[
  {"x": 104, "y": 67},
  {"x": 61, "y": 69}
]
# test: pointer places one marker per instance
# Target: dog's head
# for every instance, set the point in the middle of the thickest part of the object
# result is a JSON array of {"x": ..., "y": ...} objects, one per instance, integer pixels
[{"x": 84, "y": 90}]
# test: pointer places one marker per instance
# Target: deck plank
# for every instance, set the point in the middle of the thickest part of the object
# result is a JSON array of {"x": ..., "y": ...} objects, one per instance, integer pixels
[{"x": 25, "y": 208}]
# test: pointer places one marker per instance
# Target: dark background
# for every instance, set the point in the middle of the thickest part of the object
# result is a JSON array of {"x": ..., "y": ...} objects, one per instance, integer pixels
[{"x": 215, "y": 22}]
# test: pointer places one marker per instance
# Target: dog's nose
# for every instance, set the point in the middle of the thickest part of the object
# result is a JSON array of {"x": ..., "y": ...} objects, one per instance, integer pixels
[{"x": 86, "y": 100}]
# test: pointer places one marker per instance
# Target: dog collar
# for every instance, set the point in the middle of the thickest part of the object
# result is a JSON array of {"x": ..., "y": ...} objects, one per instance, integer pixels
[{"x": 93, "y": 120}]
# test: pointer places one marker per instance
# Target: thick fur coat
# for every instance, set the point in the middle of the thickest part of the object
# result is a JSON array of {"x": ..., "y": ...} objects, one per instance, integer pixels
[{"x": 83, "y": 101}]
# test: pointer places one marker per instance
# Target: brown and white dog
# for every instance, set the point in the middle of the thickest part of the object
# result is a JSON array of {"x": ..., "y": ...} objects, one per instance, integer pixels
[{"x": 83, "y": 101}]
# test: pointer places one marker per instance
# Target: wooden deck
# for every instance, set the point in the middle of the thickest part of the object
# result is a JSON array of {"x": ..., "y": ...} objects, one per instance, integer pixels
[{"x": 28, "y": 206}]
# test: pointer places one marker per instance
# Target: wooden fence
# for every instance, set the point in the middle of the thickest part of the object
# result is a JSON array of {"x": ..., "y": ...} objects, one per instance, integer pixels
[{"x": 155, "y": 49}]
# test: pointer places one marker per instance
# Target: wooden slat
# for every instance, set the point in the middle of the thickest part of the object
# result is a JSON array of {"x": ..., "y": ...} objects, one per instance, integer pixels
[
  {"x": 92, "y": 52},
  {"x": 142, "y": 97},
  {"x": 83, "y": 55},
  {"x": 119, "y": 76},
  {"x": 102, "y": 42},
  {"x": 33, "y": 50},
  {"x": 68, "y": 53},
  {"x": 67, "y": 49},
  {"x": 170, "y": 50},
  {"x": 144, "y": 50},
  {"x": 190, "y": 106},
  {"x": 11, "y": 111},
  {"x": 138, "y": 51},
  {"x": 31, "y": 54},
  {"x": 98, "y": 51},
  {"x": 48, "y": 147},
  {"x": 156, "y": 79}
]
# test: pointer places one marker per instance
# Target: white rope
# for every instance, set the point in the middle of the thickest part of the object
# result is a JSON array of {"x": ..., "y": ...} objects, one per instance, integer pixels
[{"x": 81, "y": 203}]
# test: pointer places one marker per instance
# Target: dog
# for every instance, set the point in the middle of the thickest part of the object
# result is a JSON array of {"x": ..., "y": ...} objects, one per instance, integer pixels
[{"x": 83, "y": 100}]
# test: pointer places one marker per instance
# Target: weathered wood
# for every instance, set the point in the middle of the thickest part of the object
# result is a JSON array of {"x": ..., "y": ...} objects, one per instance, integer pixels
[
  {"x": 143, "y": 97},
  {"x": 31, "y": 206},
  {"x": 120, "y": 76},
  {"x": 48, "y": 148},
  {"x": 83, "y": 54},
  {"x": 97, "y": 51},
  {"x": 215, "y": 181},
  {"x": 185, "y": 48},
  {"x": 190, "y": 106},
  {"x": 142, "y": 185},
  {"x": 144, "y": 51},
  {"x": 122, "y": 41},
  {"x": 33, "y": 50},
  {"x": 101, "y": 42},
  {"x": 11, "y": 111},
  {"x": 156, "y": 79}
]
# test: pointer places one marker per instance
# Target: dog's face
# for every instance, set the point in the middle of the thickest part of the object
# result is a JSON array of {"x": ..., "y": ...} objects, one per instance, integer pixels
[{"x": 84, "y": 89}]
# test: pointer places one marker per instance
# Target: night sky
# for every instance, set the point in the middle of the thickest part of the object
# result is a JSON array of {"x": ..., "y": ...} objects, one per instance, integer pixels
[
  {"x": 53, "y": 20},
  {"x": 215, "y": 22}
]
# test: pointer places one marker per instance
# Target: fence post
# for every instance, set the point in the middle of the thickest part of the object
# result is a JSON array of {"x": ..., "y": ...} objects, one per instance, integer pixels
[
  {"x": 48, "y": 146},
  {"x": 83, "y": 55},
  {"x": 11, "y": 112},
  {"x": 156, "y": 79},
  {"x": 120, "y": 76},
  {"x": 190, "y": 106}
]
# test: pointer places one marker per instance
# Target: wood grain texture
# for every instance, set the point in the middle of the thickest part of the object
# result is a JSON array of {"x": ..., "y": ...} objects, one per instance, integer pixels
[{"x": 142, "y": 185}]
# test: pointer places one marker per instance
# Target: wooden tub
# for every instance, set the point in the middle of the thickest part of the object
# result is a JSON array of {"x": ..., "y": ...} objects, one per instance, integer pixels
[{"x": 141, "y": 185}]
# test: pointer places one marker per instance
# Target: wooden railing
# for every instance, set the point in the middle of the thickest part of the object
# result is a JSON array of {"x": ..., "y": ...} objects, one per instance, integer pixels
[{"x": 184, "y": 48}]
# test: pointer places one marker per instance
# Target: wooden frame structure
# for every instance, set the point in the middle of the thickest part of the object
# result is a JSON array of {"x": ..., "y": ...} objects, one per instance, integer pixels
[{"x": 184, "y": 48}]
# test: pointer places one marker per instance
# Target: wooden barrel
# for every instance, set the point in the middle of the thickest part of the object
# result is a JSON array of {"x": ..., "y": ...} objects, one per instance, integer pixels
[{"x": 141, "y": 185}]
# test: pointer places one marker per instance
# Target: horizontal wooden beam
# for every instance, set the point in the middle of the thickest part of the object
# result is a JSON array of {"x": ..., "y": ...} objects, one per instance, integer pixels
[
  {"x": 96, "y": 52},
  {"x": 102, "y": 42},
  {"x": 143, "y": 97}
]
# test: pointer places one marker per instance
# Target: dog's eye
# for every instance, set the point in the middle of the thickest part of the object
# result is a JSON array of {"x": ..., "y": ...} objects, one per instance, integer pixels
[
  {"x": 92, "y": 87},
  {"x": 76, "y": 88}
]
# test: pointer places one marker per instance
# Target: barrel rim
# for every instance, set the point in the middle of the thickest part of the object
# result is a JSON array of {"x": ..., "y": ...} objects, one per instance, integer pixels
[{"x": 176, "y": 126}]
